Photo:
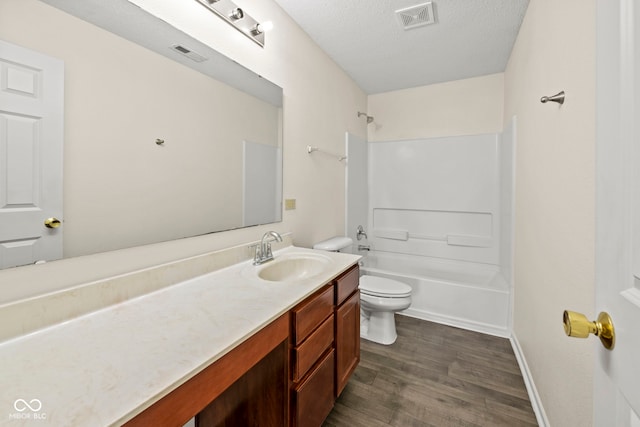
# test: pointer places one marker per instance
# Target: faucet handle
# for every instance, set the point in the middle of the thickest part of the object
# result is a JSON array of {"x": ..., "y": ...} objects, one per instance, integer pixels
[
  {"x": 360, "y": 232},
  {"x": 256, "y": 251}
]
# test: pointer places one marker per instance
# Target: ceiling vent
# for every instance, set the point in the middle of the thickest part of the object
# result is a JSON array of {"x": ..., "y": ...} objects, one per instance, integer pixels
[
  {"x": 416, "y": 16},
  {"x": 194, "y": 56}
]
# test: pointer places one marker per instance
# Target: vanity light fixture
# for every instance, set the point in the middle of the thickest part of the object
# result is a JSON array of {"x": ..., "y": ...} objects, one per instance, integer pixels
[{"x": 238, "y": 18}]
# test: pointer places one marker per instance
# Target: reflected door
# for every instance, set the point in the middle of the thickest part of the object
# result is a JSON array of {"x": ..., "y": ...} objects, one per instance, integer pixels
[{"x": 31, "y": 141}]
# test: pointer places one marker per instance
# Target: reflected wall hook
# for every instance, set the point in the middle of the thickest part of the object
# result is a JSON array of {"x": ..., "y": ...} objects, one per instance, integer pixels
[
  {"x": 558, "y": 97},
  {"x": 369, "y": 118}
]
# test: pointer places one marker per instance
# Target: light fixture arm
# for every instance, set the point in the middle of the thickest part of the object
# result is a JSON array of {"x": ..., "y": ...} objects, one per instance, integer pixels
[{"x": 238, "y": 18}]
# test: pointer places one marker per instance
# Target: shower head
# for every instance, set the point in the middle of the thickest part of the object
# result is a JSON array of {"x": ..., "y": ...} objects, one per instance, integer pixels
[{"x": 369, "y": 118}]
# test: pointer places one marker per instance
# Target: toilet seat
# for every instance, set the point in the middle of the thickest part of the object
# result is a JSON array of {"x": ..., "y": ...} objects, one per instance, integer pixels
[{"x": 383, "y": 287}]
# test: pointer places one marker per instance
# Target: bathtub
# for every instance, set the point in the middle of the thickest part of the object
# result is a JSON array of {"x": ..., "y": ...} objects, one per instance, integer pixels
[{"x": 463, "y": 294}]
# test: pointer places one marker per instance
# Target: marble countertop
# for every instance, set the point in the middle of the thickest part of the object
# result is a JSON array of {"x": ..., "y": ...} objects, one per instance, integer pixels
[{"x": 107, "y": 366}]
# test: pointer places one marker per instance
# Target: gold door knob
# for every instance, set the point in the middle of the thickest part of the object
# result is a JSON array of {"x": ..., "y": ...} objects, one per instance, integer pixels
[
  {"x": 52, "y": 223},
  {"x": 577, "y": 325}
]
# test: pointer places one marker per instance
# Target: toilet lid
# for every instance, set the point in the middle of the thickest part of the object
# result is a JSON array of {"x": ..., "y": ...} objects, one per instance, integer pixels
[{"x": 382, "y": 287}]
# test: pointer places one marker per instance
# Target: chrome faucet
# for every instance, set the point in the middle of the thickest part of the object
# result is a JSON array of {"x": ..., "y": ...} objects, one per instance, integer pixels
[
  {"x": 263, "y": 250},
  {"x": 360, "y": 232}
]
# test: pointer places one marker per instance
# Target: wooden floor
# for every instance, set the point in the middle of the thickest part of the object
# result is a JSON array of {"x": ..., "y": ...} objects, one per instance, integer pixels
[{"x": 435, "y": 375}]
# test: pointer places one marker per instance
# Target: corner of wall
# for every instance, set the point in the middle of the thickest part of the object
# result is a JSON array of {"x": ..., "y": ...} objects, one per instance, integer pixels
[{"x": 534, "y": 397}]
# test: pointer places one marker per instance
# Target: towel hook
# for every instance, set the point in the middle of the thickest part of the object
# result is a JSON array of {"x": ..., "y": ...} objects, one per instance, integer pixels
[{"x": 558, "y": 97}]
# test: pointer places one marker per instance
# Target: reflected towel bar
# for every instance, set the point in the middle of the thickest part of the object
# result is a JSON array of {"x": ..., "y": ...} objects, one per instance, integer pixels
[{"x": 311, "y": 149}]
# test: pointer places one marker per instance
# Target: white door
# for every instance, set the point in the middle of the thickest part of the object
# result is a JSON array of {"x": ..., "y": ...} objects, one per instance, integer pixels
[
  {"x": 31, "y": 140},
  {"x": 617, "y": 372}
]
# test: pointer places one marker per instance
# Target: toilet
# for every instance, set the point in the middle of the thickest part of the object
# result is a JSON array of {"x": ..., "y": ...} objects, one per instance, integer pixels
[{"x": 380, "y": 299}]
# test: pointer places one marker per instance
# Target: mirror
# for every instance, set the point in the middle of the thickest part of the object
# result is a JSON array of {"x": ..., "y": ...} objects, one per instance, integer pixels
[{"x": 164, "y": 137}]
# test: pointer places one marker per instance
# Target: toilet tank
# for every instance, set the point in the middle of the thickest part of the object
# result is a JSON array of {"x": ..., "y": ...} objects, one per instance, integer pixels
[{"x": 334, "y": 244}]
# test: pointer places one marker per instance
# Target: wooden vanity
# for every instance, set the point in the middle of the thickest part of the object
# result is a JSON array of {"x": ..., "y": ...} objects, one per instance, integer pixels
[
  {"x": 325, "y": 348},
  {"x": 287, "y": 374}
]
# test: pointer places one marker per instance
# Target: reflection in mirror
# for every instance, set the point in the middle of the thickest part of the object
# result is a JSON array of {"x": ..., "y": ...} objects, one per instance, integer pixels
[{"x": 153, "y": 150}]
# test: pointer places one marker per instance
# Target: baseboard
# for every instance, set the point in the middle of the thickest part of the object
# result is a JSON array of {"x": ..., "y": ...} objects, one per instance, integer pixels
[
  {"x": 458, "y": 322},
  {"x": 534, "y": 397}
]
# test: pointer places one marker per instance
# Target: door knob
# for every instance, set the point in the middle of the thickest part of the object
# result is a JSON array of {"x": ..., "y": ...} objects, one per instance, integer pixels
[
  {"x": 577, "y": 325},
  {"x": 52, "y": 222}
]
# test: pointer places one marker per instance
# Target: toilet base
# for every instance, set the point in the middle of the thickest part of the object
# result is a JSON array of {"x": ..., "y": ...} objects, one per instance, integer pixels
[{"x": 378, "y": 326}]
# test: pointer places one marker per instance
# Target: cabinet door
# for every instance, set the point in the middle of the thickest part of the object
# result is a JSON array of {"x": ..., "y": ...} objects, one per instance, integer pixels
[
  {"x": 347, "y": 340},
  {"x": 313, "y": 399},
  {"x": 258, "y": 398}
]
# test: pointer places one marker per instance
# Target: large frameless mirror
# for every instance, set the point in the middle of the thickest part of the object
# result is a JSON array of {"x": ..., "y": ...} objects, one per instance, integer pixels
[{"x": 164, "y": 137}]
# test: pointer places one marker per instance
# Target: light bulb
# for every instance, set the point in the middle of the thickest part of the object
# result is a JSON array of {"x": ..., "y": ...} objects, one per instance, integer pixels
[{"x": 265, "y": 26}]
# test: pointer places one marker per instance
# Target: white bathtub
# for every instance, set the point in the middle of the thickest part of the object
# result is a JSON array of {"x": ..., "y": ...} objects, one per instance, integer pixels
[{"x": 463, "y": 294}]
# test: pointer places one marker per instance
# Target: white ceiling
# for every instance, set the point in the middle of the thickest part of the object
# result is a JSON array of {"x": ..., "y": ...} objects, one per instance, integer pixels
[{"x": 470, "y": 38}]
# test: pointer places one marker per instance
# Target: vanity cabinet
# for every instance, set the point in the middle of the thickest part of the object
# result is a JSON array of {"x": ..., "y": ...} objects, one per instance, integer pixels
[
  {"x": 347, "y": 327},
  {"x": 287, "y": 374},
  {"x": 247, "y": 386},
  {"x": 312, "y": 359},
  {"x": 325, "y": 348}
]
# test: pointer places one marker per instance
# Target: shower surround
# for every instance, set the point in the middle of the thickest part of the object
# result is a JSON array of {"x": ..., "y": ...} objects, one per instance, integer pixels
[{"x": 438, "y": 218}]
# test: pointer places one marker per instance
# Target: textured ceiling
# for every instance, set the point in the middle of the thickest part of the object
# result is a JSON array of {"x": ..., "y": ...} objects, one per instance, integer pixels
[{"x": 470, "y": 38}]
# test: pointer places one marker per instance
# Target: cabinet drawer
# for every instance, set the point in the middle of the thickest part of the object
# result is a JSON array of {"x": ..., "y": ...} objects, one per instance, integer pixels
[
  {"x": 311, "y": 349},
  {"x": 347, "y": 284},
  {"x": 314, "y": 397},
  {"x": 311, "y": 313}
]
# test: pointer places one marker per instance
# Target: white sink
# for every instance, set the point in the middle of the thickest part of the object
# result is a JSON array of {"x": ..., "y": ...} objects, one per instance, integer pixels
[{"x": 293, "y": 267}]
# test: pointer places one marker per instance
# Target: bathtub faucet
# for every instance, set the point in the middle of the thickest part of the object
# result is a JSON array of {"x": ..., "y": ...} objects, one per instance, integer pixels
[
  {"x": 364, "y": 248},
  {"x": 360, "y": 232}
]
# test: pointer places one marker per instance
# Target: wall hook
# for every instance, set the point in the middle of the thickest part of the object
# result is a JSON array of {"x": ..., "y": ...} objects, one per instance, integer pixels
[
  {"x": 558, "y": 97},
  {"x": 369, "y": 118}
]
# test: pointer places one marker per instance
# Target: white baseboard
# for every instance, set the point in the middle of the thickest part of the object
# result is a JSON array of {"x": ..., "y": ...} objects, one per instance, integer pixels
[
  {"x": 534, "y": 397},
  {"x": 458, "y": 322}
]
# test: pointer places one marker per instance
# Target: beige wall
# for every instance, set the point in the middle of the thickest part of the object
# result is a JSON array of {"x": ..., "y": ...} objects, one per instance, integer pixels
[
  {"x": 555, "y": 197},
  {"x": 320, "y": 105},
  {"x": 462, "y": 107}
]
